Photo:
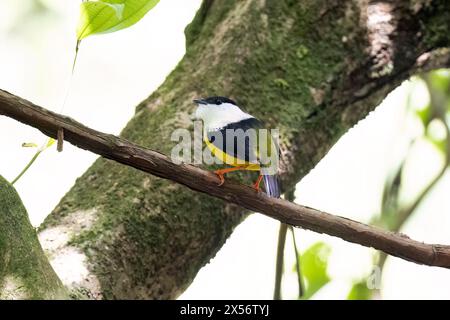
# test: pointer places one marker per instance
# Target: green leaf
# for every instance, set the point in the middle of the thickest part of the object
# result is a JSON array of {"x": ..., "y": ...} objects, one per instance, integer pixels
[
  {"x": 314, "y": 264},
  {"x": 360, "y": 291},
  {"x": 110, "y": 15}
]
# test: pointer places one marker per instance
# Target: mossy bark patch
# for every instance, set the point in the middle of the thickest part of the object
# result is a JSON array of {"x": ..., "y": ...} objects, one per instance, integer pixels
[{"x": 25, "y": 272}]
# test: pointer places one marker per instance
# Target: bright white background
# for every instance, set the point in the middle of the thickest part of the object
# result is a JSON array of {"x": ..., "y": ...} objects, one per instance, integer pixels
[{"x": 116, "y": 71}]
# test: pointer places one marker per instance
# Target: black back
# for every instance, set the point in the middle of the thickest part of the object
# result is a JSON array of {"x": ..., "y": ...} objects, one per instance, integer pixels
[{"x": 247, "y": 152}]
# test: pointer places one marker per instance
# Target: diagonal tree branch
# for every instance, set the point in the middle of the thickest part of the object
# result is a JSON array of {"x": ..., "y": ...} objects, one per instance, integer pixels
[{"x": 128, "y": 153}]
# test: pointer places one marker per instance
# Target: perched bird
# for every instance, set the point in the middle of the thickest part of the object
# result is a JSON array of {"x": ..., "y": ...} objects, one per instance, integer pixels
[{"x": 233, "y": 136}]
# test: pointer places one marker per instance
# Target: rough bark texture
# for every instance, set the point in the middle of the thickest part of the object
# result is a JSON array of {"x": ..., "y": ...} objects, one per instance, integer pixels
[
  {"x": 310, "y": 68},
  {"x": 24, "y": 270}
]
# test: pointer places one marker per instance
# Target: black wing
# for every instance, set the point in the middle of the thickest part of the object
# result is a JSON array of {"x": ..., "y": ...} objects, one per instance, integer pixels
[{"x": 235, "y": 139}]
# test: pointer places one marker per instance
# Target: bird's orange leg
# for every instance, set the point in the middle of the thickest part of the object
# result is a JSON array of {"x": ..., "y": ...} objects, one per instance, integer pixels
[
  {"x": 257, "y": 183},
  {"x": 220, "y": 173}
]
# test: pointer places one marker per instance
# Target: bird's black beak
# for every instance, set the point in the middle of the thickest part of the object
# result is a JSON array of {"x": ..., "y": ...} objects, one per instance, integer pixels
[{"x": 200, "y": 101}]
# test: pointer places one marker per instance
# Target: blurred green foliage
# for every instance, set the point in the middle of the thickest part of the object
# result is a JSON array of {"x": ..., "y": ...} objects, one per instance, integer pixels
[
  {"x": 434, "y": 117},
  {"x": 314, "y": 264},
  {"x": 360, "y": 291},
  {"x": 25, "y": 16}
]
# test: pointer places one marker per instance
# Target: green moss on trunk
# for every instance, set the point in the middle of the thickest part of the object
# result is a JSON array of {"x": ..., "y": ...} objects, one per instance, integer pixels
[{"x": 25, "y": 272}]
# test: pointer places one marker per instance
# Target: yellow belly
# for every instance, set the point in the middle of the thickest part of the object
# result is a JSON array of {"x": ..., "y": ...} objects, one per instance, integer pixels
[{"x": 230, "y": 160}]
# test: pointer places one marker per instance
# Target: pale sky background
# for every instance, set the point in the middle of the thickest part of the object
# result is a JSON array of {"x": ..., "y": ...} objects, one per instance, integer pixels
[{"x": 116, "y": 71}]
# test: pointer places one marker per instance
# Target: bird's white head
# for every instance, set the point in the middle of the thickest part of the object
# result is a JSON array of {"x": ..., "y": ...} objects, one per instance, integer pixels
[{"x": 218, "y": 112}]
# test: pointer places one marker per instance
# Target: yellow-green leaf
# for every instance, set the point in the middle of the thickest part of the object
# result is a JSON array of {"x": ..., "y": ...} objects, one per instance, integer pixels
[
  {"x": 110, "y": 15},
  {"x": 29, "y": 145},
  {"x": 50, "y": 142}
]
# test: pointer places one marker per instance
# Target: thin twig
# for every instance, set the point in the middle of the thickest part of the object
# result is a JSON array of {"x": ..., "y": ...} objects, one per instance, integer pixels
[
  {"x": 301, "y": 289},
  {"x": 290, "y": 196},
  {"x": 60, "y": 140},
  {"x": 36, "y": 155},
  {"x": 280, "y": 261}
]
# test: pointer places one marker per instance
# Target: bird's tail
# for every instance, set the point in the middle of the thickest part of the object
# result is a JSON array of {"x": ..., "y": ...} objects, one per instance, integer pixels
[{"x": 272, "y": 186}]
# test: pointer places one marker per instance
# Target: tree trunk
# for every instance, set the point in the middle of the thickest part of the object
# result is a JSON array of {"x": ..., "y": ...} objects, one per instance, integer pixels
[
  {"x": 24, "y": 270},
  {"x": 309, "y": 68}
]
